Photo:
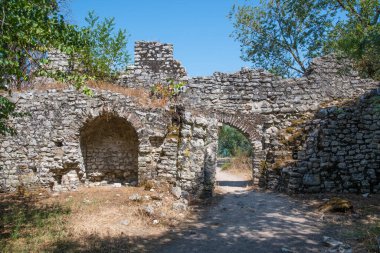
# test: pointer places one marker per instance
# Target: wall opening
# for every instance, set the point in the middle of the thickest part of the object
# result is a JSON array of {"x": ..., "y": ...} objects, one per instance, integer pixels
[
  {"x": 109, "y": 147},
  {"x": 234, "y": 163}
]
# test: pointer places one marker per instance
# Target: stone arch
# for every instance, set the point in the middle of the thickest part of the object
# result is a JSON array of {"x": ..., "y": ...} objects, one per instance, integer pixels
[
  {"x": 248, "y": 127},
  {"x": 241, "y": 123},
  {"x": 108, "y": 111},
  {"x": 110, "y": 147}
]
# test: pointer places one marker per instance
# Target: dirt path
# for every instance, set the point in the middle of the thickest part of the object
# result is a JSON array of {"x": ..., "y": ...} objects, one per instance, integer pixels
[
  {"x": 248, "y": 221},
  {"x": 229, "y": 183}
]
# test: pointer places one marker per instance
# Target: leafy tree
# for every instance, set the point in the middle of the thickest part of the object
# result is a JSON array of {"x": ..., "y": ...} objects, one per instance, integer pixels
[
  {"x": 105, "y": 54},
  {"x": 27, "y": 29},
  {"x": 357, "y": 36},
  {"x": 232, "y": 142},
  {"x": 282, "y": 35},
  {"x": 31, "y": 28}
]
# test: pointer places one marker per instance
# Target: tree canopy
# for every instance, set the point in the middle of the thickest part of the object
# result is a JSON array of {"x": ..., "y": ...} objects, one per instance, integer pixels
[
  {"x": 232, "y": 142},
  {"x": 357, "y": 36},
  {"x": 29, "y": 29},
  {"x": 284, "y": 35},
  {"x": 105, "y": 54}
]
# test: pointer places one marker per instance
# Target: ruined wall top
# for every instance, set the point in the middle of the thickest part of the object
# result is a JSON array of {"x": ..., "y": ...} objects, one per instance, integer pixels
[
  {"x": 154, "y": 63},
  {"x": 257, "y": 91},
  {"x": 249, "y": 90}
]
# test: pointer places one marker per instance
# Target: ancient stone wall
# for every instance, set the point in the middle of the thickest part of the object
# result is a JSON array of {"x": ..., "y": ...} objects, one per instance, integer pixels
[
  {"x": 261, "y": 105},
  {"x": 58, "y": 60},
  {"x": 336, "y": 151},
  {"x": 47, "y": 145},
  {"x": 260, "y": 92},
  {"x": 70, "y": 139},
  {"x": 198, "y": 145}
]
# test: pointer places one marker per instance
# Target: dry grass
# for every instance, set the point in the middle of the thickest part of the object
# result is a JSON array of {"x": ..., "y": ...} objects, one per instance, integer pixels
[
  {"x": 83, "y": 219},
  {"x": 101, "y": 211},
  {"x": 139, "y": 95},
  {"x": 240, "y": 165}
]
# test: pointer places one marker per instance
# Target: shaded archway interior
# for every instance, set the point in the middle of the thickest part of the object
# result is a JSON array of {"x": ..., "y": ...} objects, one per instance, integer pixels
[{"x": 109, "y": 146}]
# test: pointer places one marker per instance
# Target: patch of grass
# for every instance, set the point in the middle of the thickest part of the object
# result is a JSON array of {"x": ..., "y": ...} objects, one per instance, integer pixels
[
  {"x": 360, "y": 228},
  {"x": 26, "y": 225},
  {"x": 296, "y": 136},
  {"x": 148, "y": 184},
  {"x": 365, "y": 235},
  {"x": 140, "y": 95},
  {"x": 336, "y": 204},
  {"x": 281, "y": 163},
  {"x": 173, "y": 131},
  {"x": 187, "y": 153},
  {"x": 226, "y": 166},
  {"x": 298, "y": 122},
  {"x": 290, "y": 130}
]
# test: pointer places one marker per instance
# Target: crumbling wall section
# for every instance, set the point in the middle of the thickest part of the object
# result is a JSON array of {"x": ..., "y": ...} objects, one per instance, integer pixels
[
  {"x": 340, "y": 150},
  {"x": 198, "y": 145},
  {"x": 154, "y": 63},
  {"x": 47, "y": 145},
  {"x": 260, "y": 92},
  {"x": 69, "y": 140},
  {"x": 266, "y": 105}
]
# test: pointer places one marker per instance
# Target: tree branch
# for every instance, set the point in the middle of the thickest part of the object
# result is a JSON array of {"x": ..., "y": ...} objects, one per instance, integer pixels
[
  {"x": 290, "y": 48},
  {"x": 350, "y": 9}
]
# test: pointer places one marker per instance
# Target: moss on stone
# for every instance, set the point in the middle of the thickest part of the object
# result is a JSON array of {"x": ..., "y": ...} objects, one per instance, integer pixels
[{"x": 187, "y": 153}]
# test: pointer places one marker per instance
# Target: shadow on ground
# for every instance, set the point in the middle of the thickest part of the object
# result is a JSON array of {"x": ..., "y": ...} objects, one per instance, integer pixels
[
  {"x": 239, "y": 222},
  {"x": 244, "y": 183}
]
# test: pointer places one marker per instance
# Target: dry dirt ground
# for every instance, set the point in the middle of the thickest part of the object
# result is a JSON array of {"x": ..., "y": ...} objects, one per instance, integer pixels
[
  {"x": 238, "y": 219},
  {"x": 243, "y": 219},
  {"x": 101, "y": 219}
]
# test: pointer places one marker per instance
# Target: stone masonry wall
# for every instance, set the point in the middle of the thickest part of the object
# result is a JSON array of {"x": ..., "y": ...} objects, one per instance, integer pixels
[
  {"x": 198, "y": 145},
  {"x": 252, "y": 92},
  {"x": 110, "y": 150},
  {"x": 154, "y": 63},
  {"x": 47, "y": 145},
  {"x": 69, "y": 139},
  {"x": 58, "y": 61},
  {"x": 261, "y": 105},
  {"x": 64, "y": 142},
  {"x": 338, "y": 151}
]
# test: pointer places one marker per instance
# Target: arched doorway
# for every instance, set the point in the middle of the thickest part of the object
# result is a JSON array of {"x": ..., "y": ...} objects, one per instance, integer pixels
[
  {"x": 234, "y": 159},
  {"x": 109, "y": 146}
]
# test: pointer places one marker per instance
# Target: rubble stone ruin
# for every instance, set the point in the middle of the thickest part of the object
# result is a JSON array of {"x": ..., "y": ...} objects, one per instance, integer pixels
[{"x": 317, "y": 133}]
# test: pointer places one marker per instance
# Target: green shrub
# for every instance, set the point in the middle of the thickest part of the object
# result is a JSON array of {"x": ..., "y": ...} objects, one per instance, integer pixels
[{"x": 232, "y": 142}]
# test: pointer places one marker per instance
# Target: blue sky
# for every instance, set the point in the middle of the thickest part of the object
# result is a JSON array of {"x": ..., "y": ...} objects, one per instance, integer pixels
[{"x": 199, "y": 29}]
